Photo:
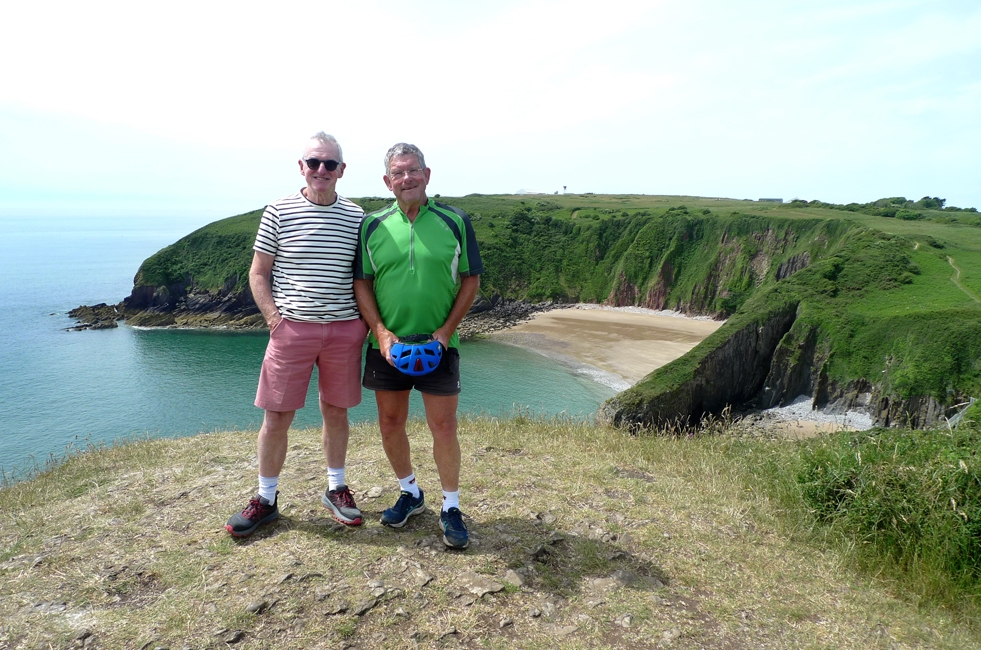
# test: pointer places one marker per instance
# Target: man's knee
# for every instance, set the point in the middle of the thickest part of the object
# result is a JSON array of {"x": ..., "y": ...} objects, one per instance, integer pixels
[
  {"x": 391, "y": 425},
  {"x": 442, "y": 426},
  {"x": 441, "y": 416},
  {"x": 278, "y": 422},
  {"x": 393, "y": 411},
  {"x": 333, "y": 414}
]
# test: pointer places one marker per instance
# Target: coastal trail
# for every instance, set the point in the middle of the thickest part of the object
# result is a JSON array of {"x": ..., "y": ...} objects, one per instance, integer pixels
[{"x": 957, "y": 281}]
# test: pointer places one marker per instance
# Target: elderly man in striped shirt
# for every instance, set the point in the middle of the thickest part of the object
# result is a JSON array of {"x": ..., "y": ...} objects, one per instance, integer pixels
[{"x": 302, "y": 281}]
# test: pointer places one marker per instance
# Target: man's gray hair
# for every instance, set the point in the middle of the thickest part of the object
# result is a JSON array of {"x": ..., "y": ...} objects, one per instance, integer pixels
[
  {"x": 403, "y": 149},
  {"x": 327, "y": 139}
]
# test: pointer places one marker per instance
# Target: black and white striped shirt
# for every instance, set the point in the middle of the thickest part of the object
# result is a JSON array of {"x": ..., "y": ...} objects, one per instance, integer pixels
[{"x": 313, "y": 247}]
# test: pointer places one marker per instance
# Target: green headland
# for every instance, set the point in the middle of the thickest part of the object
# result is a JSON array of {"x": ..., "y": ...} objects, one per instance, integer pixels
[{"x": 863, "y": 306}]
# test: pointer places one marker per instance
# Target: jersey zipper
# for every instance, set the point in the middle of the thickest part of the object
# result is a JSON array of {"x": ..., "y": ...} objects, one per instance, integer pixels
[{"x": 412, "y": 246}]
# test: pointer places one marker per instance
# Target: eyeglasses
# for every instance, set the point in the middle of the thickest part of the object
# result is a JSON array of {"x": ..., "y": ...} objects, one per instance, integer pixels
[
  {"x": 314, "y": 164},
  {"x": 397, "y": 176}
]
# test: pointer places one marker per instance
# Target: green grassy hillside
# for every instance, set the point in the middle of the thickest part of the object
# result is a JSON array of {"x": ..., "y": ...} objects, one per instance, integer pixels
[
  {"x": 874, "y": 314},
  {"x": 562, "y": 246},
  {"x": 886, "y": 294},
  {"x": 208, "y": 258}
]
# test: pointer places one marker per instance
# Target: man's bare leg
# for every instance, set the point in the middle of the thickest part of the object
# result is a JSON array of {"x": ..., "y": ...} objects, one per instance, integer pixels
[
  {"x": 273, "y": 442},
  {"x": 441, "y": 417},
  {"x": 393, "y": 411}
]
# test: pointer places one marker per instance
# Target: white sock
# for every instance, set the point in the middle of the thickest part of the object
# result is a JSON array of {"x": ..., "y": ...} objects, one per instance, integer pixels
[
  {"x": 267, "y": 487},
  {"x": 408, "y": 484},
  {"x": 335, "y": 478},
  {"x": 451, "y": 500}
]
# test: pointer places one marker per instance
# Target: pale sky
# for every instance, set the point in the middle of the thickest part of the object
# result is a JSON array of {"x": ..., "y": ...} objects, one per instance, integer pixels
[{"x": 203, "y": 107}]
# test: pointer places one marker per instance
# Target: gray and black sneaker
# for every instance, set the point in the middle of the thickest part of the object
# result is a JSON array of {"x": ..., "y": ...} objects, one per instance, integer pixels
[
  {"x": 407, "y": 506},
  {"x": 258, "y": 512},
  {"x": 454, "y": 530},
  {"x": 341, "y": 504}
]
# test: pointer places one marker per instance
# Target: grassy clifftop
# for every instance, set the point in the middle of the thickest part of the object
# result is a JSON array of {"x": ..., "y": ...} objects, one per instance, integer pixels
[
  {"x": 582, "y": 537},
  {"x": 575, "y": 247}
]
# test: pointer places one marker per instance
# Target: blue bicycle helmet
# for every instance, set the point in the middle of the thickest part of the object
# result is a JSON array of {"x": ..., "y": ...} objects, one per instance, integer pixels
[{"x": 417, "y": 355}]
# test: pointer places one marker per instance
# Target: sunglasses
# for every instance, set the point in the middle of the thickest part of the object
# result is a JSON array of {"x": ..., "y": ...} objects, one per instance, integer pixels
[{"x": 314, "y": 164}]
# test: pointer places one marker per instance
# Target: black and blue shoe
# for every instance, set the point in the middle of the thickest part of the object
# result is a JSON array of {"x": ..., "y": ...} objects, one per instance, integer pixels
[
  {"x": 454, "y": 530},
  {"x": 407, "y": 506}
]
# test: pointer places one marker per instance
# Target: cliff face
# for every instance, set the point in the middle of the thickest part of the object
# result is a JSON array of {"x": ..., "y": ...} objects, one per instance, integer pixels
[
  {"x": 184, "y": 305},
  {"x": 835, "y": 327},
  {"x": 764, "y": 363},
  {"x": 732, "y": 369}
]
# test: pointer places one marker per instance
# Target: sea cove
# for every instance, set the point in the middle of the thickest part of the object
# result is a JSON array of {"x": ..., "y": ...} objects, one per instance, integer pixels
[{"x": 64, "y": 390}]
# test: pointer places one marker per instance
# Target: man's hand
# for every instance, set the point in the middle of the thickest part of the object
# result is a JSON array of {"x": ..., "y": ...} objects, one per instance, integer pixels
[
  {"x": 261, "y": 287},
  {"x": 444, "y": 338},
  {"x": 364, "y": 292},
  {"x": 386, "y": 340}
]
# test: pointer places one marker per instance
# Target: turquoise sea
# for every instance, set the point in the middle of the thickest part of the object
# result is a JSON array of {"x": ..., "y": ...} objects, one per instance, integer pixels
[{"x": 63, "y": 390}]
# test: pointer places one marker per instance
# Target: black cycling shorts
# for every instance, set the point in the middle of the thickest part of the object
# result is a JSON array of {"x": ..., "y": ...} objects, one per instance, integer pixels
[{"x": 443, "y": 380}]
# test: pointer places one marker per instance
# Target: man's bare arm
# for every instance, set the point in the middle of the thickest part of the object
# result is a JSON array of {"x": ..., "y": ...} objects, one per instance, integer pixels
[
  {"x": 469, "y": 285},
  {"x": 364, "y": 293},
  {"x": 261, "y": 287}
]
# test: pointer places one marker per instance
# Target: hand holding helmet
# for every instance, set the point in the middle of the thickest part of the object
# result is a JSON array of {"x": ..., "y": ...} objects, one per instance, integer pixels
[{"x": 416, "y": 355}]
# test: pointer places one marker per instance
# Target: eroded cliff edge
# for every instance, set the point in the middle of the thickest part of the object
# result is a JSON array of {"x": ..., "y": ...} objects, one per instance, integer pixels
[{"x": 844, "y": 330}]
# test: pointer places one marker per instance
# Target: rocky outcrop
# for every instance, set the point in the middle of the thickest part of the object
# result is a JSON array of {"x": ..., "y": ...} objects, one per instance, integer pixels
[
  {"x": 732, "y": 371},
  {"x": 624, "y": 292},
  {"x": 159, "y": 307},
  {"x": 792, "y": 369},
  {"x": 96, "y": 317},
  {"x": 765, "y": 363},
  {"x": 657, "y": 297},
  {"x": 915, "y": 412},
  {"x": 793, "y": 265},
  {"x": 496, "y": 313},
  {"x": 174, "y": 306}
]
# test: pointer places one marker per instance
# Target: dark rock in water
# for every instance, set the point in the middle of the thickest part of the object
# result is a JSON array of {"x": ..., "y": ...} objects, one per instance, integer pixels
[
  {"x": 96, "y": 317},
  {"x": 102, "y": 325},
  {"x": 175, "y": 307}
]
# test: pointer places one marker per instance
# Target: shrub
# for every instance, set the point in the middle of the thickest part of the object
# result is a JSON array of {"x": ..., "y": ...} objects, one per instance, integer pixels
[
  {"x": 908, "y": 215},
  {"x": 909, "y": 499}
]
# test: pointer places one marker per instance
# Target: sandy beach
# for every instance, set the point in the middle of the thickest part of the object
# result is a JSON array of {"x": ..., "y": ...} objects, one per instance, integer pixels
[{"x": 629, "y": 343}]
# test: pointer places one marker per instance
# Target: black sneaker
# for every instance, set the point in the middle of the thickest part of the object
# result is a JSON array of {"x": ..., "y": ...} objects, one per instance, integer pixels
[
  {"x": 341, "y": 504},
  {"x": 454, "y": 530},
  {"x": 258, "y": 512},
  {"x": 405, "y": 507}
]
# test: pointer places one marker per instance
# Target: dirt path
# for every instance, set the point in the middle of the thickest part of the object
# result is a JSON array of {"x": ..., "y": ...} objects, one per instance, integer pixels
[{"x": 957, "y": 280}]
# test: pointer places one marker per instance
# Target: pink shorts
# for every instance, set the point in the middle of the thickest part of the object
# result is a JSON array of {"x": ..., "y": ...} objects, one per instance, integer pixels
[{"x": 294, "y": 347}]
